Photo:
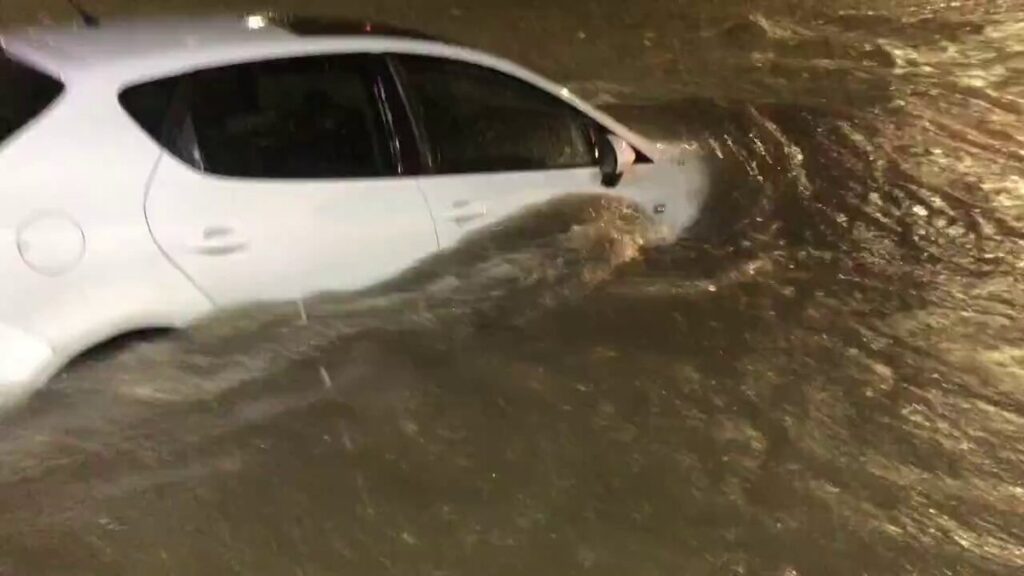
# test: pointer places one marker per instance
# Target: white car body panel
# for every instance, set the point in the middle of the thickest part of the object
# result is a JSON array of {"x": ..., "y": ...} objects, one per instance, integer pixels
[
  {"x": 58, "y": 165},
  {"x": 462, "y": 203},
  {"x": 85, "y": 161},
  {"x": 243, "y": 240}
]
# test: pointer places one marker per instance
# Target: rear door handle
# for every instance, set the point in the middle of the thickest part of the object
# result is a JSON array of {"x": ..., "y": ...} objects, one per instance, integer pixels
[
  {"x": 218, "y": 241},
  {"x": 465, "y": 211}
]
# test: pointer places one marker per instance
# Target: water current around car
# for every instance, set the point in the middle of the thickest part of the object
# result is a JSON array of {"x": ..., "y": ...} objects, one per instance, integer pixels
[{"x": 826, "y": 377}]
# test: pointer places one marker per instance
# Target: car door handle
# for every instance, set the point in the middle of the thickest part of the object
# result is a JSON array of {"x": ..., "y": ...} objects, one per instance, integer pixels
[
  {"x": 464, "y": 211},
  {"x": 219, "y": 241}
]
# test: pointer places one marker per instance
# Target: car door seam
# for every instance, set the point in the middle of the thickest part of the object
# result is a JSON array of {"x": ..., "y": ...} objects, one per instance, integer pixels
[
  {"x": 426, "y": 165},
  {"x": 149, "y": 226}
]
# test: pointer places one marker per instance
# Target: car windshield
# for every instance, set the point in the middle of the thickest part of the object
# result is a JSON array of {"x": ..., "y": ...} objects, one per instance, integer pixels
[{"x": 24, "y": 93}]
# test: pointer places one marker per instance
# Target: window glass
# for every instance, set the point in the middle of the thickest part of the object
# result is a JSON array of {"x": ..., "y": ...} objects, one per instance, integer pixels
[
  {"x": 24, "y": 93},
  {"x": 149, "y": 104},
  {"x": 480, "y": 120},
  {"x": 316, "y": 117}
]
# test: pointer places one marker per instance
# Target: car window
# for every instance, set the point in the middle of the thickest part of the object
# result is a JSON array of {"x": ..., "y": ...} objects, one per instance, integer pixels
[
  {"x": 150, "y": 103},
  {"x": 24, "y": 94},
  {"x": 481, "y": 120},
  {"x": 309, "y": 117},
  {"x": 297, "y": 118}
]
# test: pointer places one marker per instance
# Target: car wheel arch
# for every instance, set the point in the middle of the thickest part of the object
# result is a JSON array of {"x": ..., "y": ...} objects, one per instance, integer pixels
[{"x": 104, "y": 346}]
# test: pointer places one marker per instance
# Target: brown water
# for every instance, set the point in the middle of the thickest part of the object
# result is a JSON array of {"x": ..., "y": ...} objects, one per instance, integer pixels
[{"x": 826, "y": 378}]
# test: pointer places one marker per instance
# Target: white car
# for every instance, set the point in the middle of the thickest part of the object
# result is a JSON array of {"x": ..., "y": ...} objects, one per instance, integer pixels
[{"x": 153, "y": 171}]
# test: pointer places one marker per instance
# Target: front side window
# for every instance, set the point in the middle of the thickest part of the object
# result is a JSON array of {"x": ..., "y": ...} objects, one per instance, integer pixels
[
  {"x": 309, "y": 117},
  {"x": 24, "y": 94},
  {"x": 479, "y": 120}
]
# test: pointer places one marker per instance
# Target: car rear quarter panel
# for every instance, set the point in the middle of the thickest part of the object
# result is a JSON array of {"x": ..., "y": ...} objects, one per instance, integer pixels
[{"x": 85, "y": 160}]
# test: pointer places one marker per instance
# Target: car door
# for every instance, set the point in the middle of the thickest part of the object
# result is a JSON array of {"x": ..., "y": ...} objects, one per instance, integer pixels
[
  {"x": 497, "y": 144},
  {"x": 285, "y": 179}
]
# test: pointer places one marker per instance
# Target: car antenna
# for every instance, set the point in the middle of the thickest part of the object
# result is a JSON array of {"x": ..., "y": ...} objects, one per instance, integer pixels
[{"x": 88, "y": 18}]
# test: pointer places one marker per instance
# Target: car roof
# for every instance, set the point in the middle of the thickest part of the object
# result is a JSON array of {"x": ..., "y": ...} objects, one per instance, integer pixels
[
  {"x": 71, "y": 49},
  {"x": 120, "y": 53}
]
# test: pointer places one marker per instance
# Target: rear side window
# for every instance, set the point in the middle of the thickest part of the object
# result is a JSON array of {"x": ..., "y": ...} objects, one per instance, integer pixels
[
  {"x": 308, "y": 117},
  {"x": 149, "y": 104},
  {"x": 298, "y": 118},
  {"x": 24, "y": 94}
]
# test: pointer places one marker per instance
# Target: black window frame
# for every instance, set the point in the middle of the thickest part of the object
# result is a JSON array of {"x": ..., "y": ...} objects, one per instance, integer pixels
[
  {"x": 598, "y": 130},
  {"x": 173, "y": 136}
]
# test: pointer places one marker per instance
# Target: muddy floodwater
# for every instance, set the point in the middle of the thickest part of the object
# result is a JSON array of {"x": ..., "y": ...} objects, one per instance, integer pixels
[{"x": 826, "y": 377}]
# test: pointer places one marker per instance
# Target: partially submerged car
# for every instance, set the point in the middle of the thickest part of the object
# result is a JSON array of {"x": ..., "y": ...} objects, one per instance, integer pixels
[{"x": 152, "y": 171}]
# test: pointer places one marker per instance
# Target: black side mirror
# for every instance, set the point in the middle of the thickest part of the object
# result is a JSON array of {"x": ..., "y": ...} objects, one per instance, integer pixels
[{"x": 614, "y": 156}]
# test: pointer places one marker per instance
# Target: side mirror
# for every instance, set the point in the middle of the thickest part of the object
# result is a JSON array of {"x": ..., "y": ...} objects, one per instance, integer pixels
[{"x": 615, "y": 156}]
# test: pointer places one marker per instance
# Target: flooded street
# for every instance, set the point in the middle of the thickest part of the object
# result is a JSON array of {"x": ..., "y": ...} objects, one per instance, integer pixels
[{"x": 825, "y": 377}]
